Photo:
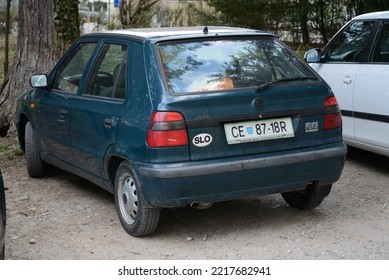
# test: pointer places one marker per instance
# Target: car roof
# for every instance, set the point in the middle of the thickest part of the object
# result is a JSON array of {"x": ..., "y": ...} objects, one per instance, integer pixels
[
  {"x": 171, "y": 33},
  {"x": 375, "y": 15}
]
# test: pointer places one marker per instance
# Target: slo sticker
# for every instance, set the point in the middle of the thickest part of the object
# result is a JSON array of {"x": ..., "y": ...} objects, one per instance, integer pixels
[{"x": 202, "y": 140}]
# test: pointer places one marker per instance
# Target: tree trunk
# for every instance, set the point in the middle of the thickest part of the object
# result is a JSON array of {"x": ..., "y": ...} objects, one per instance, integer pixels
[
  {"x": 322, "y": 25},
  {"x": 304, "y": 21},
  {"x": 7, "y": 31},
  {"x": 34, "y": 54}
]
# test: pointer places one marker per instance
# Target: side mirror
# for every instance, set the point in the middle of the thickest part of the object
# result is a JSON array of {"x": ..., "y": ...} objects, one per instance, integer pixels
[
  {"x": 312, "y": 56},
  {"x": 38, "y": 81}
]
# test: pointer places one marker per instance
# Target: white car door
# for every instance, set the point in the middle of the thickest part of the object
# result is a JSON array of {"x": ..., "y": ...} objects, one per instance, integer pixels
[
  {"x": 339, "y": 65},
  {"x": 341, "y": 78},
  {"x": 371, "y": 97}
]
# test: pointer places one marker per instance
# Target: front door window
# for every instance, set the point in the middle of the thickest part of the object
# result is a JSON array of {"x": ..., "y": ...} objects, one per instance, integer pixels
[
  {"x": 69, "y": 76},
  {"x": 349, "y": 45}
]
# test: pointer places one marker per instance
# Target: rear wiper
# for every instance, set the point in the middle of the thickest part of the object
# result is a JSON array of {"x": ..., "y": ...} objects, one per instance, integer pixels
[{"x": 270, "y": 83}]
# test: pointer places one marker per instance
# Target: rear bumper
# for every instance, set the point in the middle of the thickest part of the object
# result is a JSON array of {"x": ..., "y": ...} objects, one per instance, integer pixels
[
  {"x": 178, "y": 184},
  {"x": 169, "y": 171}
]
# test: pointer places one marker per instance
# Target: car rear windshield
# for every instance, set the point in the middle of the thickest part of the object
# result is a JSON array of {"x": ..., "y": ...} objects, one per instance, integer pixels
[{"x": 225, "y": 64}]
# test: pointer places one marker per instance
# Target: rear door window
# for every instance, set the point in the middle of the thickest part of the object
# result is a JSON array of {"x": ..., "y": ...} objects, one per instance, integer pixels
[
  {"x": 381, "y": 47},
  {"x": 108, "y": 75},
  {"x": 215, "y": 65}
]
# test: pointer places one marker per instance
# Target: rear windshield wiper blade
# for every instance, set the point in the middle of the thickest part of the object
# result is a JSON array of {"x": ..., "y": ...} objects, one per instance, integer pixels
[{"x": 270, "y": 83}]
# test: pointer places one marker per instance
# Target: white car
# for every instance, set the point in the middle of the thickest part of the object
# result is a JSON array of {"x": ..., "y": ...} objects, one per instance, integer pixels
[{"x": 355, "y": 63}]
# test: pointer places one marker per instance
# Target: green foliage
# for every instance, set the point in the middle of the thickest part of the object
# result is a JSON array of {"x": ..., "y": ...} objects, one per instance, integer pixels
[
  {"x": 365, "y": 6},
  {"x": 4, "y": 147},
  {"x": 8, "y": 152},
  {"x": 67, "y": 22},
  {"x": 243, "y": 13},
  {"x": 306, "y": 22}
]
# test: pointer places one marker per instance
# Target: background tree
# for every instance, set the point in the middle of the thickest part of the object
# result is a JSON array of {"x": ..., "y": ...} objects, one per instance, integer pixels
[
  {"x": 326, "y": 17},
  {"x": 244, "y": 13},
  {"x": 6, "y": 32},
  {"x": 357, "y": 7},
  {"x": 41, "y": 40},
  {"x": 187, "y": 13},
  {"x": 298, "y": 22},
  {"x": 37, "y": 48},
  {"x": 8, "y": 17},
  {"x": 66, "y": 22},
  {"x": 136, "y": 13}
]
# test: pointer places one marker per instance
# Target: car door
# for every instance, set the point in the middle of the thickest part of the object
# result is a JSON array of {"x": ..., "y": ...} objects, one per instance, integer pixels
[
  {"x": 96, "y": 112},
  {"x": 339, "y": 65},
  {"x": 54, "y": 113},
  {"x": 371, "y": 95}
]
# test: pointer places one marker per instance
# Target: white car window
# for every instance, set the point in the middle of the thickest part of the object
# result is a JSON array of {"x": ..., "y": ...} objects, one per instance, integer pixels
[
  {"x": 348, "y": 45},
  {"x": 381, "y": 48}
]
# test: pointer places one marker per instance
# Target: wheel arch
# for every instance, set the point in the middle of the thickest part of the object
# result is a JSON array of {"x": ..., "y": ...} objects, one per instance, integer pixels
[
  {"x": 112, "y": 166},
  {"x": 20, "y": 128}
]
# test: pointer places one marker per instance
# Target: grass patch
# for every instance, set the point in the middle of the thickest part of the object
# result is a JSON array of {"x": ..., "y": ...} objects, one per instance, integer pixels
[
  {"x": 8, "y": 153},
  {"x": 4, "y": 147}
]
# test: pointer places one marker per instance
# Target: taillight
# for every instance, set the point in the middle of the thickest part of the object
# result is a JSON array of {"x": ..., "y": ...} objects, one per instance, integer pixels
[
  {"x": 332, "y": 115},
  {"x": 167, "y": 129}
]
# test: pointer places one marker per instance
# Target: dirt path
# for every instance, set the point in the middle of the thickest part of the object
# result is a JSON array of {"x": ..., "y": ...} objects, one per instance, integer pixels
[{"x": 63, "y": 216}]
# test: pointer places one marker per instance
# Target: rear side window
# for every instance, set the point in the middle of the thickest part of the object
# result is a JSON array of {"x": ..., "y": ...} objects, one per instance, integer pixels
[{"x": 224, "y": 64}]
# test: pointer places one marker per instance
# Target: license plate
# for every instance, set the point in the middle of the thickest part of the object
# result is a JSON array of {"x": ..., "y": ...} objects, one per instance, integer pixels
[{"x": 260, "y": 130}]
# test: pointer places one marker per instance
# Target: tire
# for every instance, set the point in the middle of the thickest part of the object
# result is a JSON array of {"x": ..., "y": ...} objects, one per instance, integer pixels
[
  {"x": 136, "y": 217},
  {"x": 35, "y": 165},
  {"x": 307, "y": 199}
]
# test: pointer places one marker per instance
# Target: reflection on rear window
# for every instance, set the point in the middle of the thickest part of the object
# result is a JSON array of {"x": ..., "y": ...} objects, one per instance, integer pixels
[{"x": 227, "y": 64}]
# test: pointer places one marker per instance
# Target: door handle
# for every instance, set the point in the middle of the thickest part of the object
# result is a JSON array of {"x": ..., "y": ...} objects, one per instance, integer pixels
[
  {"x": 108, "y": 123},
  {"x": 63, "y": 112},
  {"x": 347, "y": 80}
]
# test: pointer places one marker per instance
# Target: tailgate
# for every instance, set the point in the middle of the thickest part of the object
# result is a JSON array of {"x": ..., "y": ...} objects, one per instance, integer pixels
[{"x": 246, "y": 122}]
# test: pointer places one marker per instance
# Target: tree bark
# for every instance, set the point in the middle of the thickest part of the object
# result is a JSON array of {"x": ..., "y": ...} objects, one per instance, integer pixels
[
  {"x": 7, "y": 31},
  {"x": 35, "y": 53},
  {"x": 304, "y": 21}
]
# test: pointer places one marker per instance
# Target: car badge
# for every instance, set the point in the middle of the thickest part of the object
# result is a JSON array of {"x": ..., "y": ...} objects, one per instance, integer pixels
[{"x": 311, "y": 126}]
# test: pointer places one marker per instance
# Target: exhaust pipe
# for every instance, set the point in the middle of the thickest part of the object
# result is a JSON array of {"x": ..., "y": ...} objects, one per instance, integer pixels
[{"x": 201, "y": 205}]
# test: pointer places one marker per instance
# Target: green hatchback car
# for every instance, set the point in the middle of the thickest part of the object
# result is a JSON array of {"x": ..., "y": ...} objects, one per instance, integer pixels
[{"x": 171, "y": 117}]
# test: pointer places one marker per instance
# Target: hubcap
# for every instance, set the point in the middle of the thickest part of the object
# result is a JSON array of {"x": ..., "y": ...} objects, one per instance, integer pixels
[{"x": 128, "y": 199}]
